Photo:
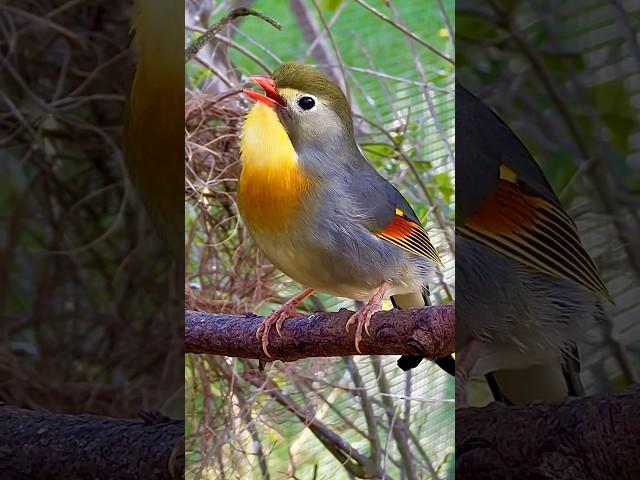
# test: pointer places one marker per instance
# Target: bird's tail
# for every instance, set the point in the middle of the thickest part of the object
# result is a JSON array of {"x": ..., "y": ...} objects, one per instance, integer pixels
[
  {"x": 549, "y": 381},
  {"x": 416, "y": 300}
]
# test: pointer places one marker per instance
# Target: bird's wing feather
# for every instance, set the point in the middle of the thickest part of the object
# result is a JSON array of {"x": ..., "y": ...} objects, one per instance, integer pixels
[
  {"x": 385, "y": 213},
  {"x": 409, "y": 235},
  {"x": 508, "y": 204},
  {"x": 527, "y": 227}
]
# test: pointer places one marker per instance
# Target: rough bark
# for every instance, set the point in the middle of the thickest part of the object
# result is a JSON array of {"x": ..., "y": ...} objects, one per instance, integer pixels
[
  {"x": 41, "y": 445},
  {"x": 587, "y": 437},
  {"x": 428, "y": 331}
]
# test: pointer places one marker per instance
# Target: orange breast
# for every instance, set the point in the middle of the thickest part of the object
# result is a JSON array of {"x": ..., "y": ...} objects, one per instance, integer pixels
[{"x": 269, "y": 199}]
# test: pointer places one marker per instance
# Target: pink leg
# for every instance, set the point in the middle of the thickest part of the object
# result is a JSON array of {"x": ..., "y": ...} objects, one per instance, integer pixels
[
  {"x": 363, "y": 316},
  {"x": 278, "y": 317},
  {"x": 465, "y": 361}
]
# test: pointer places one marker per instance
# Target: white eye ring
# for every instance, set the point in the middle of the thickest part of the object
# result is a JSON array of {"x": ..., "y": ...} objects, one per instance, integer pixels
[{"x": 307, "y": 102}]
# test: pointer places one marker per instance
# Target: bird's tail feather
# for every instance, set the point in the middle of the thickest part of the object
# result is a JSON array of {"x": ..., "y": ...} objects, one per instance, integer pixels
[
  {"x": 416, "y": 300},
  {"x": 551, "y": 381}
]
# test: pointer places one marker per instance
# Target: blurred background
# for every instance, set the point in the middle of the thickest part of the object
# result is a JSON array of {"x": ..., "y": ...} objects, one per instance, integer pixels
[
  {"x": 565, "y": 76},
  {"x": 85, "y": 286},
  {"x": 394, "y": 58}
]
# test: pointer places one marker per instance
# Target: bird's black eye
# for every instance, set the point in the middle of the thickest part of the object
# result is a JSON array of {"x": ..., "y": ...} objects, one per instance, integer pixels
[{"x": 306, "y": 103}]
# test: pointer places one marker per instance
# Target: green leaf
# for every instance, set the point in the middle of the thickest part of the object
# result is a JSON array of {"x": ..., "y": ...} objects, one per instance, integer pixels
[
  {"x": 612, "y": 102},
  {"x": 330, "y": 5},
  {"x": 559, "y": 170},
  {"x": 563, "y": 63},
  {"x": 443, "y": 181},
  {"x": 378, "y": 149},
  {"x": 475, "y": 26}
]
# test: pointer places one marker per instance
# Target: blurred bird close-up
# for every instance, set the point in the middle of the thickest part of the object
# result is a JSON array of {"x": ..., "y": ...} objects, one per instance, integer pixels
[
  {"x": 530, "y": 288},
  {"x": 320, "y": 211},
  {"x": 154, "y": 157}
]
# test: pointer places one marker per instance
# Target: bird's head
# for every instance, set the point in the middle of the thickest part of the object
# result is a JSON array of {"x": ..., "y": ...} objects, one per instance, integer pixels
[{"x": 311, "y": 107}]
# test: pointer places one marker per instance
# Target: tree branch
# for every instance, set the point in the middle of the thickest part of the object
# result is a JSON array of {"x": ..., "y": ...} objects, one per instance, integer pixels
[
  {"x": 428, "y": 331},
  {"x": 42, "y": 445},
  {"x": 586, "y": 437},
  {"x": 193, "y": 49}
]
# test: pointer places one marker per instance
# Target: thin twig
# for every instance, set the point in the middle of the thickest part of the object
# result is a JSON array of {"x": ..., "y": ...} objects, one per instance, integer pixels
[
  {"x": 367, "y": 408},
  {"x": 409, "y": 33},
  {"x": 197, "y": 45}
]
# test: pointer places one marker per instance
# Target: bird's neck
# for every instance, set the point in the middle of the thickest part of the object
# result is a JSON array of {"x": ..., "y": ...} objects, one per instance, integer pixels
[{"x": 272, "y": 182}]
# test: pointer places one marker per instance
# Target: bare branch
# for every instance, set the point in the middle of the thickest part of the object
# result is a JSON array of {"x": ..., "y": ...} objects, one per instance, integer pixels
[
  {"x": 428, "y": 331},
  {"x": 585, "y": 437},
  {"x": 351, "y": 459},
  {"x": 43, "y": 445},
  {"x": 193, "y": 49}
]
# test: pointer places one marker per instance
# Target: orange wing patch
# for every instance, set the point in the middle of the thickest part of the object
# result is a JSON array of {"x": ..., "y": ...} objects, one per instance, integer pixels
[
  {"x": 535, "y": 232},
  {"x": 410, "y": 236}
]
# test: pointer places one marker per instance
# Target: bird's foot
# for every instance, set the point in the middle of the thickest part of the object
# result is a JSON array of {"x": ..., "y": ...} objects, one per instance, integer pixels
[
  {"x": 362, "y": 318},
  {"x": 277, "y": 318}
]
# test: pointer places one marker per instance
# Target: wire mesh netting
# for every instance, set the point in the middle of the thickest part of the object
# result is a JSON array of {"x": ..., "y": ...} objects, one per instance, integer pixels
[
  {"x": 243, "y": 423},
  {"x": 566, "y": 77}
]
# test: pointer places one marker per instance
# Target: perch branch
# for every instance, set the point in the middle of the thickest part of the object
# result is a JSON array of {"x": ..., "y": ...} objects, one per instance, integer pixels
[
  {"x": 586, "y": 437},
  {"x": 43, "y": 445},
  {"x": 428, "y": 331},
  {"x": 197, "y": 45}
]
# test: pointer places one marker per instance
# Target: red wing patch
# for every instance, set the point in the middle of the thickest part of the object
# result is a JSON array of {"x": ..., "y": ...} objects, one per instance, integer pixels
[
  {"x": 535, "y": 232},
  {"x": 410, "y": 236}
]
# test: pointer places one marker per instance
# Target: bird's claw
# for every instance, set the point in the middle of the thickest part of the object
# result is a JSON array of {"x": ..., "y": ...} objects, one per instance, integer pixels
[
  {"x": 277, "y": 318},
  {"x": 362, "y": 318},
  {"x": 349, "y": 323},
  {"x": 367, "y": 323}
]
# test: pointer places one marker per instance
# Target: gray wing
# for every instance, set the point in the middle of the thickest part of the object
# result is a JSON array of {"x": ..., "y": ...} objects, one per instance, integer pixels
[
  {"x": 378, "y": 206},
  {"x": 486, "y": 144}
]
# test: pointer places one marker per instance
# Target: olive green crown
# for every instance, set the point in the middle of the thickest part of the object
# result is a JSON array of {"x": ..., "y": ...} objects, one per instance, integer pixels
[{"x": 309, "y": 80}]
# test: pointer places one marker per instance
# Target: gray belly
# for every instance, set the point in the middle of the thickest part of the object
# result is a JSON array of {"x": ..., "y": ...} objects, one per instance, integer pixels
[
  {"x": 511, "y": 306},
  {"x": 351, "y": 264}
]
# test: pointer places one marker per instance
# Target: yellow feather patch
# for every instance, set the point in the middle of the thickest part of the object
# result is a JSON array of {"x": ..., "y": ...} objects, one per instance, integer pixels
[
  {"x": 271, "y": 183},
  {"x": 409, "y": 236},
  {"x": 507, "y": 174}
]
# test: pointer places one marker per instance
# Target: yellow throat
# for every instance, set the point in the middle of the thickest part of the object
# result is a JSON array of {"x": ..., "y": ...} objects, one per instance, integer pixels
[{"x": 271, "y": 183}]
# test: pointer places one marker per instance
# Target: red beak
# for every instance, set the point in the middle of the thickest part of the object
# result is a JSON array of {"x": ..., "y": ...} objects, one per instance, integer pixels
[{"x": 269, "y": 86}]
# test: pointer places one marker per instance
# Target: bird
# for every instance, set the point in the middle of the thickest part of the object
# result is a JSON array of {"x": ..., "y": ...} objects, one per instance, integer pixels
[
  {"x": 154, "y": 120},
  {"x": 527, "y": 288},
  {"x": 154, "y": 150},
  {"x": 320, "y": 212}
]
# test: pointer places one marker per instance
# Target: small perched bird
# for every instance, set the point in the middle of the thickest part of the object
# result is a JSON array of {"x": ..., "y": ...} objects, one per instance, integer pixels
[
  {"x": 319, "y": 211},
  {"x": 527, "y": 287}
]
